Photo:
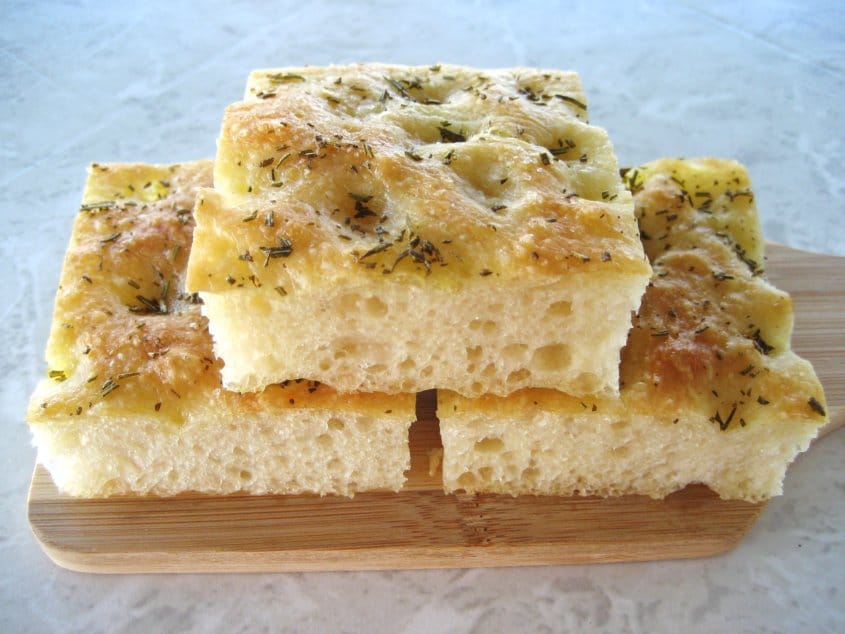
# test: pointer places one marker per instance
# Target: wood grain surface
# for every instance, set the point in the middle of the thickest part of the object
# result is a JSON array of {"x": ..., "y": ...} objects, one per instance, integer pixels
[{"x": 421, "y": 527}]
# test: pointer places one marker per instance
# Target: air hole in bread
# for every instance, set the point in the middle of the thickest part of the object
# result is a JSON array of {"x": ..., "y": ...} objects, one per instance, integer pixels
[
  {"x": 485, "y": 474},
  {"x": 375, "y": 307},
  {"x": 427, "y": 371},
  {"x": 375, "y": 352},
  {"x": 466, "y": 480},
  {"x": 489, "y": 445},
  {"x": 552, "y": 358},
  {"x": 619, "y": 425},
  {"x": 245, "y": 475},
  {"x": 489, "y": 371},
  {"x": 324, "y": 440},
  {"x": 376, "y": 369},
  {"x": 347, "y": 304},
  {"x": 407, "y": 364},
  {"x": 560, "y": 309},
  {"x": 529, "y": 475},
  {"x": 474, "y": 353},
  {"x": 518, "y": 376},
  {"x": 587, "y": 382},
  {"x": 514, "y": 353},
  {"x": 335, "y": 424}
]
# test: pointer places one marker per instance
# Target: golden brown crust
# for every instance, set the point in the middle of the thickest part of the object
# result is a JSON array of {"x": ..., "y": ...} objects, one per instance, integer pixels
[
  {"x": 711, "y": 336},
  {"x": 432, "y": 176},
  {"x": 711, "y": 333},
  {"x": 127, "y": 338}
]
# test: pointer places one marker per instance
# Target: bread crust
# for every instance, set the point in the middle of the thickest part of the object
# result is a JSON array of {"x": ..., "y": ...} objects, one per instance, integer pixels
[
  {"x": 129, "y": 351},
  {"x": 379, "y": 178},
  {"x": 126, "y": 336},
  {"x": 708, "y": 356},
  {"x": 499, "y": 173}
]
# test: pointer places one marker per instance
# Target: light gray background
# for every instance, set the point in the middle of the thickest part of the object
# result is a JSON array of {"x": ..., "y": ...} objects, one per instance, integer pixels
[{"x": 84, "y": 81}]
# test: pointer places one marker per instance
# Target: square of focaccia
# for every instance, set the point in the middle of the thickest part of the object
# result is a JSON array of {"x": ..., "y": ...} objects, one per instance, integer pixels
[
  {"x": 710, "y": 390},
  {"x": 133, "y": 402},
  {"x": 397, "y": 228}
]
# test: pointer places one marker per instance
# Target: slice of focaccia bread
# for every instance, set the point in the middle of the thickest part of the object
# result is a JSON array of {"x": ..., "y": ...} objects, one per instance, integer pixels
[
  {"x": 396, "y": 228},
  {"x": 133, "y": 401},
  {"x": 710, "y": 391}
]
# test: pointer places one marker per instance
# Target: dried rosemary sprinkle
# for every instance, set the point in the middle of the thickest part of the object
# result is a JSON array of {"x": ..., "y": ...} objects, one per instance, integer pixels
[
  {"x": 572, "y": 100},
  {"x": 376, "y": 249},
  {"x": 108, "y": 387},
  {"x": 448, "y": 136},
  {"x": 285, "y": 77},
  {"x": 760, "y": 343},
  {"x": 816, "y": 406},
  {"x": 149, "y": 306},
  {"x": 105, "y": 204},
  {"x": 398, "y": 87},
  {"x": 284, "y": 249}
]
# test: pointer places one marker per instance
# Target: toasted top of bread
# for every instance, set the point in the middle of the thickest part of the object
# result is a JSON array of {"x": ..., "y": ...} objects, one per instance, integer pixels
[
  {"x": 126, "y": 337},
  {"x": 424, "y": 175},
  {"x": 711, "y": 333},
  {"x": 712, "y": 336}
]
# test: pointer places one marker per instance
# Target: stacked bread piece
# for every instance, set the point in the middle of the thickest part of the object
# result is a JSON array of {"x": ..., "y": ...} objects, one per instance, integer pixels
[
  {"x": 373, "y": 231},
  {"x": 133, "y": 401},
  {"x": 397, "y": 229},
  {"x": 710, "y": 390}
]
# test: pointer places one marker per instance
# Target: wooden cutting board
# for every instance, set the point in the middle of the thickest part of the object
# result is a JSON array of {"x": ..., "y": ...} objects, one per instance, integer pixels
[{"x": 421, "y": 527}]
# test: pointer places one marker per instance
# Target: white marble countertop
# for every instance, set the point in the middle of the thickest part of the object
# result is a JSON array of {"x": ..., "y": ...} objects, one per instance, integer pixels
[{"x": 86, "y": 81}]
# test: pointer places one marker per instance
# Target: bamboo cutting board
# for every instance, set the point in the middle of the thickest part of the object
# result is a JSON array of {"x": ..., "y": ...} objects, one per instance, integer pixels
[{"x": 421, "y": 527}]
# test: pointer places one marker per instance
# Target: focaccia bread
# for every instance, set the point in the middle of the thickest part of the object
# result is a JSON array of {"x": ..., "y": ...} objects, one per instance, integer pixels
[
  {"x": 390, "y": 228},
  {"x": 133, "y": 402},
  {"x": 710, "y": 390}
]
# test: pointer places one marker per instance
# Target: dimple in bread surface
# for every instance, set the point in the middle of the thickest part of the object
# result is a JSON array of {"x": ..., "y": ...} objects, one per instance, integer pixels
[
  {"x": 710, "y": 391},
  {"x": 133, "y": 400},
  {"x": 388, "y": 181}
]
